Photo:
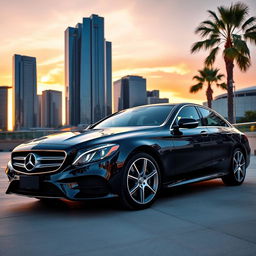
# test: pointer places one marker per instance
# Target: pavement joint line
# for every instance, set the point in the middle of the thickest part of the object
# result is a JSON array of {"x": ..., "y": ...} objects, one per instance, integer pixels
[{"x": 207, "y": 227}]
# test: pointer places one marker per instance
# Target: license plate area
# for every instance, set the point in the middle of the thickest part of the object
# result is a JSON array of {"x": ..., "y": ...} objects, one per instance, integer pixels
[{"x": 29, "y": 182}]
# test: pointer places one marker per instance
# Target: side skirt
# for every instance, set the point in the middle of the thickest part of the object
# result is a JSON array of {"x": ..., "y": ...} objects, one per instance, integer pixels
[{"x": 194, "y": 180}]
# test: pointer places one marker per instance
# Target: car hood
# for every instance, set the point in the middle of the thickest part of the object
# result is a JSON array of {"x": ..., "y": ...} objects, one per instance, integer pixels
[{"x": 68, "y": 139}]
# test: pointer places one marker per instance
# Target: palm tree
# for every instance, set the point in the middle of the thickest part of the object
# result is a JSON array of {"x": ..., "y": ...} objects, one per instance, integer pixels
[
  {"x": 232, "y": 29},
  {"x": 208, "y": 76}
]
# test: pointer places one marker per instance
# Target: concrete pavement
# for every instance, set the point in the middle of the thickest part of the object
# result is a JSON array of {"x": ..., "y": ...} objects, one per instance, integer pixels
[{"x": 207, "y": 218}]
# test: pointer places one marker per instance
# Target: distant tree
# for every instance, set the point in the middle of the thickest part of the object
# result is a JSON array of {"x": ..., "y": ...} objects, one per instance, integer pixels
[
  {"x": 231, "y": 27},
  {"x": 249, "y": 116},
  {"x": 208, "y": 77}
]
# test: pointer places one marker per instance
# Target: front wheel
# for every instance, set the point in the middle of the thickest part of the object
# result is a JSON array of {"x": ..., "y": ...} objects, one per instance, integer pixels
[
  {"x": 140, "y": 182},
  {"x": 237, "y": 171}
]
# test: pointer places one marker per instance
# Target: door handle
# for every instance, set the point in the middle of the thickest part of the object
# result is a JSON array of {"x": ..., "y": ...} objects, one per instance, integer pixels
[{"x": 204, "y": 133}]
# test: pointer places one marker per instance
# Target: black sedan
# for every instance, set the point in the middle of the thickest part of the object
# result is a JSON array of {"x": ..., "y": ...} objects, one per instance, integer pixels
[{"x": 132, "y": 154}]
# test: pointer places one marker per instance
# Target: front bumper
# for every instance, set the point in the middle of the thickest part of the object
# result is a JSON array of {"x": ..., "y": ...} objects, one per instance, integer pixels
[{"x": 93, "y": 181}]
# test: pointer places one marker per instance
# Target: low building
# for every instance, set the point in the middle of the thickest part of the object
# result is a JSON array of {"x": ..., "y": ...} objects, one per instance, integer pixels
[
  {"x": 4, "y": 101},
  {"x": 153, "y": 97},
  {"x": 129, "y": 91},
  {"x": 244, "y": 100}
]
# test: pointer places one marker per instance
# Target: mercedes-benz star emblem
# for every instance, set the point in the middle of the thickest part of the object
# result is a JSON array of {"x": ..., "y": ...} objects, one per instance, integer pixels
[{"x": 30, "y": 161}]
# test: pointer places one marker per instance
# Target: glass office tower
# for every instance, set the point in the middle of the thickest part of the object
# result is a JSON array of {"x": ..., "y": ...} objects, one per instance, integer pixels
[
  {"x": 88, "y": 72},
  {"x": 24, "y": 91},
  {"x": 129, "y": 91}
]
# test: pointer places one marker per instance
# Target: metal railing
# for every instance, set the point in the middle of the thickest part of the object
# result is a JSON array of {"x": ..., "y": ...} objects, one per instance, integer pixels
[{"x": 246, "y": 127}]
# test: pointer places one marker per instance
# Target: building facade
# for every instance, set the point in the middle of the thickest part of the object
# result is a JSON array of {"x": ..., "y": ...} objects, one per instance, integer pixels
[
  {"x": 129, "y": 91},
  {"x": 244, "y": 100},
  {"x": 24, "y": 92},
  {"x": 153, "y": 98},
  {"x": 4, "y": 99},
  {"x": 51, "y": 109},
  {"x": 88, "y": 72}
]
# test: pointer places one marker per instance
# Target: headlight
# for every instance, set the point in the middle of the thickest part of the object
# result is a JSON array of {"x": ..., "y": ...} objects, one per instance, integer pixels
[{"x": 95, "y": 154}]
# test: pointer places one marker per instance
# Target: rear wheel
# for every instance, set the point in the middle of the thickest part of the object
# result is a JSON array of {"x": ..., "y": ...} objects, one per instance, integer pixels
[
  {"x": 140, "y": 182},
  {"x": 237, "y": 172}
]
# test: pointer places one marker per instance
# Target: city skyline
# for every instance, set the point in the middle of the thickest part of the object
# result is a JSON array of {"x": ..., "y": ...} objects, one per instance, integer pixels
[{"x": 143, "y": 43}]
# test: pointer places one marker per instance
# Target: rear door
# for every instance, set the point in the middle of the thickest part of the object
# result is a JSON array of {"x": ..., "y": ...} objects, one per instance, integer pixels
[{"x": 220, "y": 139}]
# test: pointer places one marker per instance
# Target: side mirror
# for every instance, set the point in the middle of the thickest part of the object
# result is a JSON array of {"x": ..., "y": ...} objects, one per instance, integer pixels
[{"x": 187, "y": 123}]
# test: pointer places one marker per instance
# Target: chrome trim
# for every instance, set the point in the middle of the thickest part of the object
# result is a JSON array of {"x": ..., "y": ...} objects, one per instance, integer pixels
[
  {"x": 40, "y": 150},
  {"x": 203, "y": 178},
  {"x": 91, "y": 150},
  {"x": 46, "y": 165},
  {"x": 201, "y": 106},
  {"x": 19, "y": 158},
  {"x": 20, "y": 165},
  {"x": 50, "y": 158}
]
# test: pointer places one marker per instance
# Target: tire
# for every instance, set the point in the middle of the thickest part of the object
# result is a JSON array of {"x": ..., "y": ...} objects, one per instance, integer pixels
[
  {"x": 237, "y": 169},
  {"x": 141, "y": 182}
]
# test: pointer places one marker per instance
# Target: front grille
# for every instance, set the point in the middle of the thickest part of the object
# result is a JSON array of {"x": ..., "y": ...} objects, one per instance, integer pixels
[{"x": 38, "y": 161}]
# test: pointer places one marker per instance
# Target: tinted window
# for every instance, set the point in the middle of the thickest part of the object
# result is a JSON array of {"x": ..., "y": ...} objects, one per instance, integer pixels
[
  {"x": 188, "y": 112},
  {"x": 211, "y": 119},
  {"x": 144, "y": 116}
]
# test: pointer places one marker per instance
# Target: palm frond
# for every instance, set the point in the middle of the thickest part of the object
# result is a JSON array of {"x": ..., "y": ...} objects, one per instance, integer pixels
[
  {"x": 251, "y": 36},
  {"x": 195, "y": 88},
  {"x": 211, "y": 57},
  {"x": 220, "y": 76},
  {"x": 249, "y": 22},
  {"x": 243, "y": 62},
  {"x": 251, "y": 29},
  {"x": 204, "y": 31},
  {"x": 240, "y": 45},
  {"x": 206, "y": 44},
  {"x": 222, "y": 86},
  {"x": 239, "y": 11},
  {"x": 218, "y": 22},
  {"x": 198, "y": 78}
]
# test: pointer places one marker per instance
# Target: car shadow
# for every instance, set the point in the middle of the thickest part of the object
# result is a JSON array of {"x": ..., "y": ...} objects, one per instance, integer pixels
[{"x": 88, "y": 208}]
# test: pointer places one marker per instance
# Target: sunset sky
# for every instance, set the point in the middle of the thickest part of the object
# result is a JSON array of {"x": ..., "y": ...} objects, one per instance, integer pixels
[{"x": 149, "y": 38}]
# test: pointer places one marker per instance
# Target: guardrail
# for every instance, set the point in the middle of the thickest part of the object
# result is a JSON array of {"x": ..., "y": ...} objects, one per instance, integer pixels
[{"x": 246, "y": 127}]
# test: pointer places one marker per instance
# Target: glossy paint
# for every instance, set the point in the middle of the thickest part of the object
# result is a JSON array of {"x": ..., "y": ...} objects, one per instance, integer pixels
[{"x": 192, "y": 154}]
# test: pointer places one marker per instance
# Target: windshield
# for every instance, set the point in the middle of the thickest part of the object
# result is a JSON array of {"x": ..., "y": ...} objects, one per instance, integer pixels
[{"x": 142, "y": 116}]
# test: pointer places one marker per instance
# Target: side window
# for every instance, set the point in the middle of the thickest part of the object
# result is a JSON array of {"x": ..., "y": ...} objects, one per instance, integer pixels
[
  {"x": 210, "y": 119},
  {"x": 188, "y": 112}
]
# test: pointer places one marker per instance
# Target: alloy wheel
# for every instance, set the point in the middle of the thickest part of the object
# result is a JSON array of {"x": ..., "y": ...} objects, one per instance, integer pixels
[
  {"x": 239, "y": 166},
  {"x": 142, "y": 180}
]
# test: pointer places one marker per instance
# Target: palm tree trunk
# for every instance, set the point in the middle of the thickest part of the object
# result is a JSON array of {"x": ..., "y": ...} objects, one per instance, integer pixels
[
  {"x": 229, "y": 69},
  {"x": 209, "y": 93}
]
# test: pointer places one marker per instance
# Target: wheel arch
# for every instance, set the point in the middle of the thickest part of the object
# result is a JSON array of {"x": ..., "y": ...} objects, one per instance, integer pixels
[{"x": 148, "y": 150}]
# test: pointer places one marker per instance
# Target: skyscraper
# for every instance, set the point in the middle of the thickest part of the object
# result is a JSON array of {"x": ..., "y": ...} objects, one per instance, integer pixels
[
  {"x": 129, "y": 91},
  {"x": 51, "y": 108},
  {"x": 88, "y": 72},
  {"x": 4, "y": 101},
  {"x": 24, "y": 91}
]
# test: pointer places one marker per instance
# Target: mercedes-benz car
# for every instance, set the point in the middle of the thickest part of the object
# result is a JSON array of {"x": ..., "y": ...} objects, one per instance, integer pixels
[{"x": 132, "y": 154}]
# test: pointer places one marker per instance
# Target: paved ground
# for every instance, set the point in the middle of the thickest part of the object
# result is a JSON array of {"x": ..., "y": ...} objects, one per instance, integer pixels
[{"x": 201, "y": 219}]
